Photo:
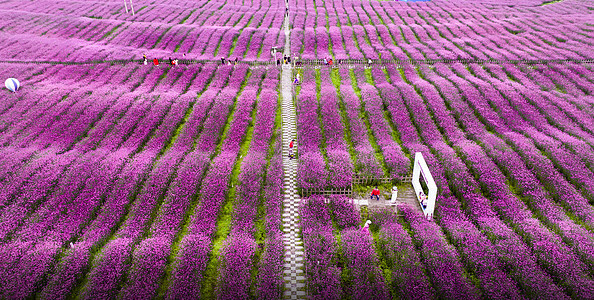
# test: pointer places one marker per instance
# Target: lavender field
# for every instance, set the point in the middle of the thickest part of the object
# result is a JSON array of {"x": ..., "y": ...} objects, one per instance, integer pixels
[{"x": 132, "y": 181}]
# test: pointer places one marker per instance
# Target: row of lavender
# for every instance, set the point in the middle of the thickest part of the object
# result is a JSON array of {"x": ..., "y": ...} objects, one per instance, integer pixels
[
  {"x": 372, "y": 30},
  {"x": 334, "y": 167},
  {"x": 239, "y": 248},
  {"x": 63, "y": 92},
  {"x": 99, "y": 183},
  {"x": 129, "y": 126},
  {"x": 175, "y": 11},
  {"x": 148, "y": 230},
  {"x": 439, "y": 30},
  {"x": 532, "y": 238},
  {"x": 205, "y": 31},
  {"x": 574, "y": 81}
]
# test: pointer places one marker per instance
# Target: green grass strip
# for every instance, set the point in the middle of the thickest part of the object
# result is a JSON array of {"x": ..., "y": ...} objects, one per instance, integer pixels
[
  {"x": 211, "y": 274},
  {"x": 323, "y": 146},
  {"x": 550, "y": 2},
  {"x": 335, "y": 76},
  {"x": 187, "y": 17},
  {"x": 363, "y": 115},
  {"x": 111, "y": 31},
  {"x": 160, "y": 37},
  {"x": 260, "y": 222},
  {"x": 171, "y": 260}
]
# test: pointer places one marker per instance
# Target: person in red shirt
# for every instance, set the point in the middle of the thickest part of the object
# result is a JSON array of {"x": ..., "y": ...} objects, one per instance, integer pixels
[
  {"x": 156, "y": 62},
  {"x": 376, "y": 193},
  {"x": 291, "y": 149}
]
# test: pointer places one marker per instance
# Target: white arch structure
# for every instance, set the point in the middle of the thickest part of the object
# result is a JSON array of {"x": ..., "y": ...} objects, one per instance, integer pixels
[{"x": 419, "y": 168}]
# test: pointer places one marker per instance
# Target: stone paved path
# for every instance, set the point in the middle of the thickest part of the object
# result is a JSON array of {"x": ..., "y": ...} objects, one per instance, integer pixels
[{"x": 294, "y": 253}]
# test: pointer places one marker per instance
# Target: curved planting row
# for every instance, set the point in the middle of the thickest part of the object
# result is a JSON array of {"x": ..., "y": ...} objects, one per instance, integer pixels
[
  {"x": 65, "y": 31},
  {"x": 106, "y": 191},
  {"x": 439, "y": 30},
  {"x": 510, "y": 161}
]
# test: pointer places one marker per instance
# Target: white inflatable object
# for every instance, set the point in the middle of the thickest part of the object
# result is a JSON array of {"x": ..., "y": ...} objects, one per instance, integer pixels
[{"x": 12, "y": 84}]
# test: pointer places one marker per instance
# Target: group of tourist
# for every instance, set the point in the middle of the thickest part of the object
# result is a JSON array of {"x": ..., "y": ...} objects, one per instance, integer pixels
[
  {"x": 422, "y": 197},
  {"x": 172, "y": 61},
  {"x": 229, "y": 61},
  {"x": 285, "y": 60},
  {"x": 376, "y": 192}
]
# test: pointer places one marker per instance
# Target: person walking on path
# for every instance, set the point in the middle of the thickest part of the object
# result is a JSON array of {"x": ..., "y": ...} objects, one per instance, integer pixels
[
  {"x": 155, "y": 62},
  {"x": 291, "y": 145},
  {"x": 376, "y": 193},
  {"x": 144, "y": 59},
  {"x": 297, "y": 79},
  {"x": 222, "y": 60}
]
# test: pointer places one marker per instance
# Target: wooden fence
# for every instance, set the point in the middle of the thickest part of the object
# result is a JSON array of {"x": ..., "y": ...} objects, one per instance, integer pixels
[
  {"x": 398, "y": 62},
  {"x": 357, "y": 180},
  {"x": 320, "y": 62}
]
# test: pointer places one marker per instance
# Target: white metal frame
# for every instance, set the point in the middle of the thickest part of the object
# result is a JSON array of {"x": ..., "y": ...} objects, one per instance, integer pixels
[
  {"x": 131, "y": 6},
  {"x": 419, "y": 168}
]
